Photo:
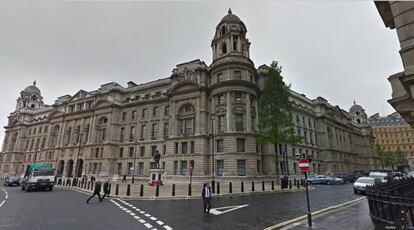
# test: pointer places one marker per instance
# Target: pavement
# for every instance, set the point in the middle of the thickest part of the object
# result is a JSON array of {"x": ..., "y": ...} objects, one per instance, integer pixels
[
  {"x": 66, "y": 209},
  {"x": 355, "y": 216}
]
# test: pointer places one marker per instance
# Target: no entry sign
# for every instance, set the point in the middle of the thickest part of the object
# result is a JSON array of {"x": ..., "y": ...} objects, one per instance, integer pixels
[{"x": 304, "y": 165}]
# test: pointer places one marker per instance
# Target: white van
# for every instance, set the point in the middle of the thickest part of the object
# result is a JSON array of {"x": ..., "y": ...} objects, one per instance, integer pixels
[{"x": 383, "y": 176}]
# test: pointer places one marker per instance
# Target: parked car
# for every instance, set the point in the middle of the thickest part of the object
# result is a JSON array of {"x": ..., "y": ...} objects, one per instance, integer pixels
[
  {"x": 358, "y": 174},
  {"x": 323, "y": 179},
  {"x": 383, "y": 176},
  {"x": 12, "y": 180},
  {"x": 410, "y": 174},
  {"x": 361, "y": 184},
  {"x": 348, "y": 178}
]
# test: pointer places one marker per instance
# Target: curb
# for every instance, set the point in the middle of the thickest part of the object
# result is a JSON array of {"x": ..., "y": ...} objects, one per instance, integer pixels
[
  {"x": 87, "y": 192},
  {"x": 303, "y": 217}
]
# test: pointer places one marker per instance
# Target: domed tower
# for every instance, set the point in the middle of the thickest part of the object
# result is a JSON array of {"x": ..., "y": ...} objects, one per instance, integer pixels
[
  {"x": 358, "y": 114},
  {"x": 30, "y": 98},
  {"x": 234, "y": 100}
]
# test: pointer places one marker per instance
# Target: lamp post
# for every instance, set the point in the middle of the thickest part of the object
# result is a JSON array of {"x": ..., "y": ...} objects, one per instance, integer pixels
[{"x": 213, "y": 184}]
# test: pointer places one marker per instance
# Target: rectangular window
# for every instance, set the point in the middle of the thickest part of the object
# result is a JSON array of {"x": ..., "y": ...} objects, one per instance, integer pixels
[
  {"x": 175, "y": 167},
  {"x": 153, "y": 150},
  {"x": 220, "y": 168},
  {"x": 154, "y": 132},
  {"x": 176, "y": 148},
  {"x": 220, "y": 77},
  {"x": 221, "y": 123},
  {"x": 132, "y": 133},
  {"x": 240, "y": 145},
  {"x": 184, "y": 147},
  {"x": 131, "y": 151},
  {"x": 121, "y": 139},
  {"x": 130, "y": 168},
  {"x": 188, "y": 126},
  {"x": 237, "y": 74},
  {"x": 241, "y": 167},
  {"x": 239, "y": 122},
  {"x": 166, "y": 129},
  {"x": 143, "y": 132},
  {"x": 220, "y": 145},
  {"x": 124, "y": 116},
  {"x": 121, "y": 152},
  {"x": 167, "y": 110},
  {"x": 184, "y": 168},
  {"x": 140, "y": 168},
  {"x": 133, "y": 115},
  {"x": 142, "y": 151},
  {"x": 192, "y": 147},
  {"x": 144, "y": 113},
  {"x": 164, "y": 149},
  {"x": 119, "y": 168},
  {"x": 221, "y": 99},
  {"x": 156, "y": 112}
]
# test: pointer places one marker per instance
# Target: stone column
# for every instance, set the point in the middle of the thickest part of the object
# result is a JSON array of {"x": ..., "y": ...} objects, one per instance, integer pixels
[
  {"x": 173, "y": 123},
  {"x": 92, "y": 130},
  {"x": 197, "y": 121},
  {"x": 248, "y": 113},
  {"x": 228, "y": 112}
]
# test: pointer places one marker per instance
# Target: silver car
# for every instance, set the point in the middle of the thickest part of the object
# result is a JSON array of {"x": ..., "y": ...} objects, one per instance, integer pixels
[{"x": 361, "y": 184}]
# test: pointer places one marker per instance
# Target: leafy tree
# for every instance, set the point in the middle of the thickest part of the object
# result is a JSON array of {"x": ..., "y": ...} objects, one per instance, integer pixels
[
  {"x": 275, "y": 118},
  {"x": 400, "y": 160}
]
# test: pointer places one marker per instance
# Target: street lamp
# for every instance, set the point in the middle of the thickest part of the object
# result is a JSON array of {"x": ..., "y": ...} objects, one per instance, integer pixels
[{"x": 213, "y": 184}]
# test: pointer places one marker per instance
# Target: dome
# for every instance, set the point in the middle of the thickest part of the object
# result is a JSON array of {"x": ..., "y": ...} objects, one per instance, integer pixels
[
  {"x": 356, "y": 107},
  {"x": 32, "y": 89},
  {"x": 231, "y": 18}
]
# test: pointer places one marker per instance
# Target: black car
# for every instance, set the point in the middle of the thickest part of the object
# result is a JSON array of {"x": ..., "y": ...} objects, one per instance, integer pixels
[
  {"x": 348, "y": 178},
  {"x": 12, "y": 180}
]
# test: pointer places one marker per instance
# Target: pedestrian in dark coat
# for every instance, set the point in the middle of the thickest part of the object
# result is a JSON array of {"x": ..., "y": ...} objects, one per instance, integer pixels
[
  {"x": 206, "y": 194},
  {"x": 96, "y": 191},
  {"x": 106, "y": 189}
]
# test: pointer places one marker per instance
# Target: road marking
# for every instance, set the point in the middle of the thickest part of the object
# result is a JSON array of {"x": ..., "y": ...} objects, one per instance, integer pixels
[
  {"x": 167, "y": 227},
  {"x": 160, "y": 222},
  {"x": 153, "y": 218},
  {"x": 7, "y": 196},
  {"x": 217, "y": 211},
  {"x": 148, "y": 225},
  {"x": 1, "y": 204}
]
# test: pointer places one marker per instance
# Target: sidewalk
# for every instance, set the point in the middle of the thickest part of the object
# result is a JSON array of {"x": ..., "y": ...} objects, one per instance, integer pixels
[
  {"x": 120, "y": 190},
  {"x": 355, "y": 216}
]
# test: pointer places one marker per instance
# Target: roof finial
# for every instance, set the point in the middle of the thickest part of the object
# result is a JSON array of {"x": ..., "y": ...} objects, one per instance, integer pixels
[
  {"x": 229, "y": 10},
  {"x": 354, "y": 102},
  {"x": 34, "y": 83}
]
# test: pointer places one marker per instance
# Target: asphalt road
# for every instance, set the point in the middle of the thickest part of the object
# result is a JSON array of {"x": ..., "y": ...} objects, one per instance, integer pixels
[{"x": 64, "y": 209}]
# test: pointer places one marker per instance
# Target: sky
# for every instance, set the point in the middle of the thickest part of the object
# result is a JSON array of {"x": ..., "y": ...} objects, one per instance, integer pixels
[{"x": 338, "y": 50}]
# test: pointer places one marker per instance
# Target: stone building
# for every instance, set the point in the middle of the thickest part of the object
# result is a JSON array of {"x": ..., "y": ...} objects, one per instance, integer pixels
[
  {"x": 399, "y": 15},
  {"x": 201, "y": 117},
  {"x": 393, "y": 133}
]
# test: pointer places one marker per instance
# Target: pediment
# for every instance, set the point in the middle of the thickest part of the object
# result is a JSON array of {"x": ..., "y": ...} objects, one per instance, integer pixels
[
  {"x": 185, "y": 87},
  {"x": 79, "y": 95},
  {"x": 55, "y": 113}
]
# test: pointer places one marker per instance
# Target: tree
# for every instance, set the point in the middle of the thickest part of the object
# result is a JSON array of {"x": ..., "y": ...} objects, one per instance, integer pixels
[
  {"x": 399, "y": 159},
  {"x": 384, "y": 157},
  {"x": 275, "y": 118}
]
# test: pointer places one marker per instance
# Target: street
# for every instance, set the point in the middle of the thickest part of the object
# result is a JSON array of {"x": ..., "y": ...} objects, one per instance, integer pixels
[{"x": 66, "y": 209}]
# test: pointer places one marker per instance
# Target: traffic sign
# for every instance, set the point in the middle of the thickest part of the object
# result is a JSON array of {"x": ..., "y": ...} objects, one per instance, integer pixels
[{"x": 304, "y": 165}]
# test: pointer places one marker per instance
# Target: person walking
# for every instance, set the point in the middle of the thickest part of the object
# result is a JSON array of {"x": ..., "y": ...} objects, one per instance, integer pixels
[
  {"x": 206, "y": 194},
  {"x": 106, "y": 189},
  {"x": 96, "y": 191}
]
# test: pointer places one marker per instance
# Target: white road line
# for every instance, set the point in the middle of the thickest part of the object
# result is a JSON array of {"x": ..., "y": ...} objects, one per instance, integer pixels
[
  {"x": 160, "y": 222},
  {"x": 167, "y": 227},
  {"x": 7, "y": 196},
  {"x": 1, "y": 204},
  {"x": 142, "y": 221},
  {"x": 153, "y": 218},
  {"x": 147, "y": 215},
  {"x": 148, "y": 225}
]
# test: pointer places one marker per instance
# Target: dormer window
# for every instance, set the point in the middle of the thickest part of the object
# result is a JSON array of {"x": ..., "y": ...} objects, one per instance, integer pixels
[{"x": 223, "y": 48}]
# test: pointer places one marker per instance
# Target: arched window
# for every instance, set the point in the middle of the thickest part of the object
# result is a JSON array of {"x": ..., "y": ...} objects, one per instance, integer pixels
[
  {"x": 224, "y": 48},
  {"x": 77, "y": 134},
  {"x": 186, "y": 120},
  {"x": 223, "y": 30},
  {"x": 86, "y": 133},
  {"x": 67, "y": 135}
]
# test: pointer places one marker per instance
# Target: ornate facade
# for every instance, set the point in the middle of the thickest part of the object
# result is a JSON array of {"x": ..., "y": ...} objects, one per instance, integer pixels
[{"x": 201, "y": 116}]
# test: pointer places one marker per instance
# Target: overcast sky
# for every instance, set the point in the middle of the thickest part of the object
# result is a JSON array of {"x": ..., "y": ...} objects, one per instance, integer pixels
[{"x": 339, "y": 50}]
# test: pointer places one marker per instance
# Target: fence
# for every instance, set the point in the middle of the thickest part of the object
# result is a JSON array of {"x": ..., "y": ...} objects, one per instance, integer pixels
[{"x": 391, "y": 204}]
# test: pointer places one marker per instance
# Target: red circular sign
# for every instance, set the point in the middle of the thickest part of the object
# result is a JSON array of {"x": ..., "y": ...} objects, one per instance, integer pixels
[{"x": 303, "y": 165}]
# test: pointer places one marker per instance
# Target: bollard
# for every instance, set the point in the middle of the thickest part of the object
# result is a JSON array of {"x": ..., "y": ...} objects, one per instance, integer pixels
[
  {"x": 117, "y": 190},
  {"x": 92, "y": 185},
  {"x": 252, "y": 186},
  {"x": 218, "y": 188},
  {"x": 263, "y": 185},
  {"x": 157, "y": 190},
  {"x": 128, "y": 190},
  {"x": 242, "y": 186},
  {"x": 89, "y": 184},
  {"x": 189, "y": 189},
  {"x": 173, "y": 190},
  {"x": 141, "y": 191},
  {"x": 294, "y": 181},
  {"x": 230, "y": 188},
  {"x": 60, "y": 182},
  {"x": 290, "y": 184},
  {"x": 273, "y": 185},
  {"x": 298, "y": 185}
]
